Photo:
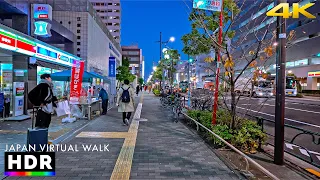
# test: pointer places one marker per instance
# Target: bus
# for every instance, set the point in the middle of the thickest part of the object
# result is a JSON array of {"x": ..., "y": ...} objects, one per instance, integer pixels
[
  {"x": 291, "y": 85},
  {"x": 183, "y": 86}
]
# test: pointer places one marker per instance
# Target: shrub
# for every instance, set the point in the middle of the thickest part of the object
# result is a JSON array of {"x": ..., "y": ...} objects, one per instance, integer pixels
[
  {"x": 299, "y": 95},
  {"x": 245, "y": 136},
  {"x": 156, "y": 92},
  {"x": 248, "y": 136}
]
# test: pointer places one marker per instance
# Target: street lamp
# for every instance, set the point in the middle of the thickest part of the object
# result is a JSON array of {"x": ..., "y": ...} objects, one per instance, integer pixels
[{"x": 172, "y": 39}]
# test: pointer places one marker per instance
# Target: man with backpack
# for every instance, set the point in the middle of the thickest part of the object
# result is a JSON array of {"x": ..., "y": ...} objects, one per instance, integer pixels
[
  {"x": 104, "y": 97},
  {"x": 42, "y": 96},
  {"x": 125, "y": 101}
]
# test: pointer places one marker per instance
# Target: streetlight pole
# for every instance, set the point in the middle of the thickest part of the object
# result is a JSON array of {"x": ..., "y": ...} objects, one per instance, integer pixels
[
  {"x": 162, "y": 81},
  {"x": 280, "y": 88}
]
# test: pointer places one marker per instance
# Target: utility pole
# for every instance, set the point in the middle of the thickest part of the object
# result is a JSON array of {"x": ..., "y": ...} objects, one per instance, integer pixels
[
  {"x": 280, "y": 88},
  {"x": 216, "y": 92}
]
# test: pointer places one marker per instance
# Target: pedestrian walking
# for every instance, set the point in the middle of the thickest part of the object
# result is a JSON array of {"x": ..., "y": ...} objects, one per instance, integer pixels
[
  {"x": 42, "y": 96},
  {"x": 137, "y": 90},
  {"x": 125, "y": 101},
  {"x": 105, "y": 100},
  {"x": 149, "y": 89},
  {"x": 145, "y": 88},
  {"x": 141, "y": 88}
]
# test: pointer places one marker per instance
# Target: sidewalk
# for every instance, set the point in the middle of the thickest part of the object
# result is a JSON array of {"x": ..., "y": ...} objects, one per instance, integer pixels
[{"x": 152, "y": 149}]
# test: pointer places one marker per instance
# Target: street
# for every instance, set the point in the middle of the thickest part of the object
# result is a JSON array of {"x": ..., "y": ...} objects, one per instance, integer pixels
[{"x": 299, "y": 112}]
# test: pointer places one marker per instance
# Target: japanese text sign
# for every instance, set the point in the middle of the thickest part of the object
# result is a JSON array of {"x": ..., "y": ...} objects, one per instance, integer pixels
[{"x": 76, "y": 81}]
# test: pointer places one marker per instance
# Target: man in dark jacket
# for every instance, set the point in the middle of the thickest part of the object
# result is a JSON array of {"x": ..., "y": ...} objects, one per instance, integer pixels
[
  {"x": 42, "y": 96},
  {"x": 104, "y": 97}
]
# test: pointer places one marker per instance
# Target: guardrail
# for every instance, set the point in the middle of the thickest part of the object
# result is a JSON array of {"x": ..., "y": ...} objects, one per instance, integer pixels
[
  {"x": 315, "y": 137},
  {"x": 247, "y": 158},
  {"x": 261, "y": 121}
]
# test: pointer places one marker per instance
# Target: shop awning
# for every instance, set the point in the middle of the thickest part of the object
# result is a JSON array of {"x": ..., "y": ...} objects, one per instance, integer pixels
[
  {"x": 105, "y": 79},
  {"x": 66, "y": 76}
]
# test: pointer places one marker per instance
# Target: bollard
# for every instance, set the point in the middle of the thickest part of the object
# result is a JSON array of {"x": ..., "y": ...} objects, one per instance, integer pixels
[{"x": 89, "y": 112}]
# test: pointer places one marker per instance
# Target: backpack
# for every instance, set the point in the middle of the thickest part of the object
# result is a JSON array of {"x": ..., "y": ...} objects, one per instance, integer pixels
[{"x": 125, "y": 95}]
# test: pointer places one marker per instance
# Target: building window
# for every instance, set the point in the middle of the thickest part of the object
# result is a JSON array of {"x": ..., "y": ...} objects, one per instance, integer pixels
[
  {"x": 110, "y": 30},
  {"x": 78, "y": 18},
  {"x": 97, "y": 4},
  {"x": 60, "y": 22},
  {"x": 110, "y": 17},
  {"x": 78, "y": 31},
  {"x": 78, "y": 55},
  {"x": 116, "y": 4},
  {"x": 78, "y": 43},
  {"x": 78, "y": 49},
  {"x": 109, "y": 24},
  {"x": 109, "y": 10},
  {"x": 109, "y": 4},
  {"x": 78, "y": 37},
  {"x": 69, "y": 22},
  {"x": 78, "y": 25}
]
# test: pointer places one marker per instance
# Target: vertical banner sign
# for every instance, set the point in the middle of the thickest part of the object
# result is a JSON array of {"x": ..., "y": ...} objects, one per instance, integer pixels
[
  {"x": 211, "y": 5},
  {"x": 18, "y": 90},
  {"x": 1, "y": 102},
  {"x": 112, "y": 67},
  {"x": 76, "y": 81}
]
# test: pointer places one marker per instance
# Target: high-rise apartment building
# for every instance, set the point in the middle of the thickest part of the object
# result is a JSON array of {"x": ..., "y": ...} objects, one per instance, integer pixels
[{"x": 110, "y": 13}]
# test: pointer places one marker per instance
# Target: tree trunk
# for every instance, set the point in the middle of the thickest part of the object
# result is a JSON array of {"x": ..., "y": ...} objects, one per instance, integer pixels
[{"x": 233, "y": 105}]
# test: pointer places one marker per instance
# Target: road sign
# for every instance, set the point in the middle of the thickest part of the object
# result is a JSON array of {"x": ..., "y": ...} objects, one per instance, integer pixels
[{"x": 211, "y": 5}]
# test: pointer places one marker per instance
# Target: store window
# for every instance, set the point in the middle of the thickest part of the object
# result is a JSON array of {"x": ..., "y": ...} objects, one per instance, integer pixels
[
  {"x": 40, "y": 71},
  {"x": 315, "y": 61},
  {"x": 302, "y": 62},
  {"x": 290, "y": 64},
  {"x": 6, "y": 86}
]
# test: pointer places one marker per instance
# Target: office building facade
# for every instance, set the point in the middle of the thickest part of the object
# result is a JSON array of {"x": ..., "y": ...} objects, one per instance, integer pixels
[
  {"x": 134, "y": 54},
  {"x": 303, "y": 51},
  {"x": 110, "y": 13}
]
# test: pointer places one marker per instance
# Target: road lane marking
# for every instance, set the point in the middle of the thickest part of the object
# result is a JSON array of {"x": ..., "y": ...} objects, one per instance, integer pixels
[
  {"x": 294, "y": 109},
  {"x": 301, "y": 122}
]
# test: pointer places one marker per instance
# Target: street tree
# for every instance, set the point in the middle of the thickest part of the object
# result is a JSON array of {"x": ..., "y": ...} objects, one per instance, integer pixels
[
  {"x": 123, "y": 71},
  {"x": 246, "y": 56},
  {"x": 141, "y": 81}
]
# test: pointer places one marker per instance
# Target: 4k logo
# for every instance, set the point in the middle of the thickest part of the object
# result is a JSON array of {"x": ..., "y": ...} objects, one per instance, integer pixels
[{"x": 296, "y": 10}]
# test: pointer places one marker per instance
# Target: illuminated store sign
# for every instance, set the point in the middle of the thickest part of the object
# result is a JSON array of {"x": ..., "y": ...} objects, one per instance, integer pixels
[
  {"x": 16, "y": 43},
  {"x": 42, "y": 29},
  {"x": 314, "y": 74},
  {"x": 42, "y": 16},
  {"x": 42, "y": 11}
]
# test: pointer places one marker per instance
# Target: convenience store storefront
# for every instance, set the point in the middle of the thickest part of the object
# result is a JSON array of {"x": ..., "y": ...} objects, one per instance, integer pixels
[{"x": 22, "y": 60}]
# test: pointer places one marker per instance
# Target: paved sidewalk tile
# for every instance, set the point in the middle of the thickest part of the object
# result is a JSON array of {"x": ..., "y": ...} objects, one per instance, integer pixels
[{"x": 168, "y": 150}]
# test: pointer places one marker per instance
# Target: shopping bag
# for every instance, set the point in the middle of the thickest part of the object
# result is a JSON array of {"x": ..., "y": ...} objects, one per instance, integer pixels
[
  {"x": 76, "y": 111},
  {"x": 63, "y": 108}
]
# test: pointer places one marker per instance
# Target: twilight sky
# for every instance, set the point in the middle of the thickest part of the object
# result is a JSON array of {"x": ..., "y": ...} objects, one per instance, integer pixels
[{"x": 142, "y": 21}]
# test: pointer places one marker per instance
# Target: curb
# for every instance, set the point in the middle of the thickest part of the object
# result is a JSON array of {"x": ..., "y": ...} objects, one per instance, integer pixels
[{"x": 306, "y": 172}]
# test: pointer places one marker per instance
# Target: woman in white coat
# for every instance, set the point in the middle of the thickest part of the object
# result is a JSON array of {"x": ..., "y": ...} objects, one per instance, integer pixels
[{"x": 125, "y": 104}]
